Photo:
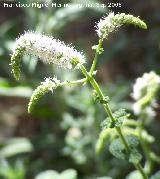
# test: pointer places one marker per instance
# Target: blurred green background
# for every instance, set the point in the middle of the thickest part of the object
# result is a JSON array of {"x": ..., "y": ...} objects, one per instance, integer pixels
[{"x": 62, "y": 131}]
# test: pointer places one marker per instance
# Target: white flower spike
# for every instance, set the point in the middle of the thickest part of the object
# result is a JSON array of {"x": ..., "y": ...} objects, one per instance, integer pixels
[
  {"x": 113, "y": 21},
  {"x": 49, "y": 50},
  {"x": 144, "y": 92},
  {"x": 48, "y": 85}
]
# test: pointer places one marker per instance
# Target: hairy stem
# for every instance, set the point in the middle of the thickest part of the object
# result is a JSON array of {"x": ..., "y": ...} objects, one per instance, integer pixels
[
  {"x": 110, "y": 114},
  {"x": 96, "y": 56},
  {"x": 123, "y": 139}
]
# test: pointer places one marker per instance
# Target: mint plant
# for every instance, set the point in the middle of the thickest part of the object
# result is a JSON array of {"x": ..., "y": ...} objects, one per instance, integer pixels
[
  {"x": 145, "y": 92},
  {"x": 124, "y": 145}
]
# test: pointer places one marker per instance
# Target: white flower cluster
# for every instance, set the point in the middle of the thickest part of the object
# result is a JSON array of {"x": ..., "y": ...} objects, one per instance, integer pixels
[
  {"x": 113, "y": 21},
  {"x": 106, "y": 26},
  {"x": 48, "y": 85},
  {"x": 50, "y": 50},
  {"x": 144, "y": 92}
]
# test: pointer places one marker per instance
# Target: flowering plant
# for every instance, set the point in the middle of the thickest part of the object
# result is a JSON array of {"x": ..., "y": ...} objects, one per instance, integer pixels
[{"x": 124, "y": 145}]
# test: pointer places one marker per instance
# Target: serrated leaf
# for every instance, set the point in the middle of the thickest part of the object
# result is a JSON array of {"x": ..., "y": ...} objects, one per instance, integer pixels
[
  {"x": 132, "y": 140},
  {"x": 106, "y": 123},
  {"x": 135, "y": 157},
  {"x": 120, "y": 113},
  {"x": 119, "y": 122},
  {"x": 156, "y": 175},
  {"x": 119, "y": 116},
  {"x": 117, "y": 149}
]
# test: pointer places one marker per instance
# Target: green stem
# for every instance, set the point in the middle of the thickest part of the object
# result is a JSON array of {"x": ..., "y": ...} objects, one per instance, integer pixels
[
  {"x": 73, "y": 82},
  {"x": 110, "y": 114},
  {"x": 148, "y": 165},
  {"x": 96, "y": 56},
  {"x": 131, "y": 122},
  {"x": 123, "y": 139},
  {"x": 106, "y": 106},
  {"x": 155, "y": 157},
  {"x": 141, "y": 170}
]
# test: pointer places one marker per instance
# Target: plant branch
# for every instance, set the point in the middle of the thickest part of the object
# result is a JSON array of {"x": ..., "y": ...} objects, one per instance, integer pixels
[
  {"x": 148, "y": 164},
  {"x": 96, "y": 56},
  {"x": 73, "y": 82},
  {"x": 110, "y": 114}
]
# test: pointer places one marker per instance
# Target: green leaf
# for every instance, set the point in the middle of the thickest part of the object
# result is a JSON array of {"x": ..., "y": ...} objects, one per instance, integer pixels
[
  {"x": 132, "y": 140},
  {"x": 106, "y": 124},
  {"x": 119, "y": 116},
  {"x": 134, "y": 175},
  {"x": 120, "y": 113},
  {"x": 135, "y": 157},
  {"x": 68, "y": 174},
  {"x": 156, "y": 175},
  {"x": 16, "y": 146},
  {"x": 20, "y": 91},
  {"x": 49, "y": 174},
  {"x": 12, "y": 171},
  {"x": 117, "y": 149}
]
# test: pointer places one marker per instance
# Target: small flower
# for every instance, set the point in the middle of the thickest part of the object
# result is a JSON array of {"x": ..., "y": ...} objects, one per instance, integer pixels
[
  {"x": 49, "y": 50},
  {"x": 74, "y": 132},
  {"x": 144, "y": 93},
  {"x": 113, "y": 21},
  {"x": 48, "y": 85}
]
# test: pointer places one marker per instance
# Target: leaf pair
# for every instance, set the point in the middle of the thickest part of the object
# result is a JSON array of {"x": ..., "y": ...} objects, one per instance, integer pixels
[{"x": 118, "y": 149}]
